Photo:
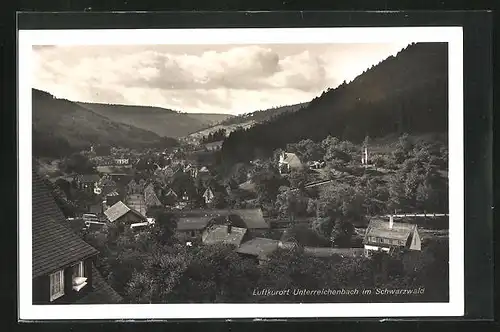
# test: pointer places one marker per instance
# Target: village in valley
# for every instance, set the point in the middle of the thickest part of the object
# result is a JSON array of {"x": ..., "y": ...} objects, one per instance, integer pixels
[
  {"x": 259, "y": 209},
  {"x": 291, "y": 203}
]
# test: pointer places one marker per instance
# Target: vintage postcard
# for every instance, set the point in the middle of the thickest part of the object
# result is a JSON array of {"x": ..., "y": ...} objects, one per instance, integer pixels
[{"x": 241, "y": 173}]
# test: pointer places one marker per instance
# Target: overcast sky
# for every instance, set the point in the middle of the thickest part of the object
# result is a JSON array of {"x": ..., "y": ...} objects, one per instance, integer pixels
[{"x": 202, "y": 78}]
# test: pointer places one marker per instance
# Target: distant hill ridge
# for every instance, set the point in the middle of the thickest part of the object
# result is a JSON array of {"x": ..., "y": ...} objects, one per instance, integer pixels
[
  {"x": 403, "y": 93},
  {"x": 162, "y": 121},
  {"x": 247, "y": 120},
  {"x": 263, "y": 115},
  {"x": 129, "y": 108},
  {"x": 61, "y": 127}
]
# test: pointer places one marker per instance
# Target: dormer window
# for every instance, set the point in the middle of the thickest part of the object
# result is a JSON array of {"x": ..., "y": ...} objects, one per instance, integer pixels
[
  {"x": 78, "y": 278},
  {"x": 56, "y": 285}
]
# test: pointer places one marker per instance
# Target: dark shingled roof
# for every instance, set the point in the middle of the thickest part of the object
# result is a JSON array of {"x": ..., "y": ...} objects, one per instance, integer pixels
[
  {"x": 150, "y": 196},
  {"x": 252, "y": 218},
  {"x": 101, "y": 293},
  {"x": 54, "y": 244}
]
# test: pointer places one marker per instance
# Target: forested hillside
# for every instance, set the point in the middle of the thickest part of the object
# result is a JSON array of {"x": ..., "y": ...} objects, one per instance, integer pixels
[
  {"x": 263, "y": 115},
  {"x": 246, "y": 120},
  {"x": 61, "y": 127},
  {"x": 161, "y": 121},
  {"x": 404, "y": 93}
]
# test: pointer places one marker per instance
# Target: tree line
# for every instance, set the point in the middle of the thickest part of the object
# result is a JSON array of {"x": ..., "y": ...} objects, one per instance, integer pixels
[{"x": 153, "y": 266}]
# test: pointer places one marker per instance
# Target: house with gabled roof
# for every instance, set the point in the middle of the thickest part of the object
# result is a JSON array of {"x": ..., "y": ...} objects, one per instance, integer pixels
[
  {"x": 191, "y": 228},
  {"x": 63, "y": 264},
  {"x": 389, "y": 236},
  {"x": 87, "y": 182},
  {"x": 150, "y": 197},
  {"x": 253, "y": 219},
  {"x": 203, "y": 172},
  {"x": 258, "y": 248},
  {"x": 208, "y": 195},
  {"x": 105, "y": 186},
  {"x": 226, "y": 234},
  {"x": 121, "y": 213},
  {"x": 288, "y": 162},
  {"x": 137, "y": 202}
]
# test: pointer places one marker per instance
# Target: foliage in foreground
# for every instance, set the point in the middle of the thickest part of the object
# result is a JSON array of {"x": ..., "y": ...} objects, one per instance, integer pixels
[{"x": 150, "y": 267}]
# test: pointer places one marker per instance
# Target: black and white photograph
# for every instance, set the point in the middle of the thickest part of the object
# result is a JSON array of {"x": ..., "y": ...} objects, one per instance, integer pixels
[{"x": 268, "y": 171}]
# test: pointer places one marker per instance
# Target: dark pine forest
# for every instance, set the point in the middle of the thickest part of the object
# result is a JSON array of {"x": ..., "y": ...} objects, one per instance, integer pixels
[{"x": 403, "y": 93}]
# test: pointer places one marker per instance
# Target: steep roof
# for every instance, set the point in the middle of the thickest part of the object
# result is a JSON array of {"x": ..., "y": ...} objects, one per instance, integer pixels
[
  {"x": 137, "y": 203},
  {"x": 292, "y": 159},
  {"x": 150, "y": 196},
  {"x": 118, "y": 210},
  {"x": 220, "y": 234},
  {"x": 259, "y": 247},
  {"x": 208, "y": 192},
  {"x": 192, "y": 223},
  {"x": 170, "y": 191},
  {"x": 54, "y": 245},
  {"x": 101, "y": 293},
  {"x": 381, "y": 229}
]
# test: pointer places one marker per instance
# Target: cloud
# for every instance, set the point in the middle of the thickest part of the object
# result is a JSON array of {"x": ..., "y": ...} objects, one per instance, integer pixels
[{"x": 231, "y": 80}]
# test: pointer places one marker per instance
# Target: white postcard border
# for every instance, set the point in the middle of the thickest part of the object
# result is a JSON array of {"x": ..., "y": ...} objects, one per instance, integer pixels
[{"x": 452, "y": 35}]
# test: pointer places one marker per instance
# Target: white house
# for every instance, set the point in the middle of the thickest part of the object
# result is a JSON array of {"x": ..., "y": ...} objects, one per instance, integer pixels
[
  {"x": 208, "y": 196},
  {"x": 389, "y": 236},
  {"x": 288, "y": 162}
]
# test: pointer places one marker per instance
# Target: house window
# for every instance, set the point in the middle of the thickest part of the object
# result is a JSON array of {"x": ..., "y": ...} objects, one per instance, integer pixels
[
  {"x": 192, "y": 234},
  {"x": 78, "y": 277},
  {"x": 56, "y": 285}
]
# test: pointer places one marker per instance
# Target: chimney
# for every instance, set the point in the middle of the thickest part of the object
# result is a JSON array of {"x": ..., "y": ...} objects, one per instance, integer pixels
[{"x": 391, "y": 221}]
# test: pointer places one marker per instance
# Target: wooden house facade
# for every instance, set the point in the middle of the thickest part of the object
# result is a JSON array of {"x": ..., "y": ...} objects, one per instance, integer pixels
[{"x": 63, "y": 265}]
